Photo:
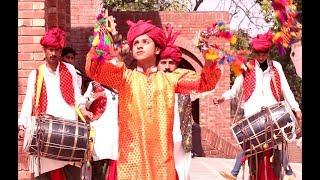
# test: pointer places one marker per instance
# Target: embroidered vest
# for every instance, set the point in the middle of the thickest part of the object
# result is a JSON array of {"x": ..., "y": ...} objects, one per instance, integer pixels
[{"x": 249, "y": 83}]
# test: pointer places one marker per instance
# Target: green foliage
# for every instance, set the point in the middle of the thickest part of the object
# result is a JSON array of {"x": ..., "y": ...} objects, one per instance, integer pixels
[
  {"x": 130, "y": 5},
  {"x": 267, "y": 9},
  {"x": 174, "y": 5},
  {"x": 147, "y": 5},
  {"x": 242, "y": 40}
]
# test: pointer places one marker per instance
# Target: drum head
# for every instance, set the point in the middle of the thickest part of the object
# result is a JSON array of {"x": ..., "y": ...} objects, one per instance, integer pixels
[{"x": 29, "y": 133}]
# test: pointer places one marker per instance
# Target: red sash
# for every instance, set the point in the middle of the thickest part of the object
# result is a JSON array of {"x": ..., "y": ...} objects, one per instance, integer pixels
[
  {"x": 249, "y": 83},
  {"x": 66, "y": 88}
]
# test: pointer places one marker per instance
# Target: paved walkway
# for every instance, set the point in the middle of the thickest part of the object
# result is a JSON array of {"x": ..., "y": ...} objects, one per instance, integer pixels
[{"x": 203, "y": 168}]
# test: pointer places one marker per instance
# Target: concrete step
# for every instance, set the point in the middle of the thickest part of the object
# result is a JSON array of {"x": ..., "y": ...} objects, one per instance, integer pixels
[{"x": 203, "y": 168}]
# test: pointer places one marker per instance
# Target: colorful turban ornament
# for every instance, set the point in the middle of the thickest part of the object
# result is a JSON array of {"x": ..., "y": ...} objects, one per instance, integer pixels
[
  {"x": 54, "y": 37},
  {"x": 262, "y": 43},
  {"x": 171, "y": 51},
  {"x": 145, "y": 27}
]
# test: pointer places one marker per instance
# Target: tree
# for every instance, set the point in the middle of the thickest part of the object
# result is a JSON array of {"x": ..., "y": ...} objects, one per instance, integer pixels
[
  {"x": 147, "y": 5},
  {"x": 198, "y": 2}
]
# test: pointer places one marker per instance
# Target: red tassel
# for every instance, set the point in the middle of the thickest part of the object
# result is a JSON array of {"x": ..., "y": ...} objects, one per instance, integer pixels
[{"x": 265, "y": 170}]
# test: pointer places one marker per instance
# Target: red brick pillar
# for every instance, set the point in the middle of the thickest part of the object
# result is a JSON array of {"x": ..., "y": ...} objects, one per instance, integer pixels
[
  {"x": 57, "y": 14},
  {"x": 82, "y": 18},
  {"x": 31, "y": 27}
]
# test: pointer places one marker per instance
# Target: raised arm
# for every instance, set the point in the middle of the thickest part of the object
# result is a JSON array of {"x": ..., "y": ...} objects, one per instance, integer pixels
[
  {"x": 109, "y": 73},
  {"x": 190, "y": 81}
]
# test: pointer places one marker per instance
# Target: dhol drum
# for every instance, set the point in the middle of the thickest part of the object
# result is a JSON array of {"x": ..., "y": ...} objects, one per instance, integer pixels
[
  {"x": 56, "y": 138},
  {"x": 265, "y": 129}
]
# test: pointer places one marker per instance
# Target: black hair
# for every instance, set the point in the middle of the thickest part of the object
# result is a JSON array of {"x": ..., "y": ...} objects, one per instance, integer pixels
[{"x": 68, "y": 50}]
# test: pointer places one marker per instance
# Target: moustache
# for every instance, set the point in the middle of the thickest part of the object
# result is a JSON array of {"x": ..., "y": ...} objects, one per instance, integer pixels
[
  {"x": 53, "y": 56},
  {"x": 167, "y": 70}
]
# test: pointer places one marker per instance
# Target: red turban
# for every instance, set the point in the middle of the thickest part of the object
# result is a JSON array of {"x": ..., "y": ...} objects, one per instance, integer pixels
[
  {"x": 171, "y": 51},
  {"x": 145, "y": 27},
  {"x": 262, "y": 43},
  {"x": 54, "y": 37}
]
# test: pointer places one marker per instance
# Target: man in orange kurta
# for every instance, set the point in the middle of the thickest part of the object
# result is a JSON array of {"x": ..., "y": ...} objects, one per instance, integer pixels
[{"x": 146, "y": 102}]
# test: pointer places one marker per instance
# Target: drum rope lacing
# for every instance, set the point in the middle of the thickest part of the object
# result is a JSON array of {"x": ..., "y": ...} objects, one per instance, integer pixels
[{"x": 39, "y": 143}]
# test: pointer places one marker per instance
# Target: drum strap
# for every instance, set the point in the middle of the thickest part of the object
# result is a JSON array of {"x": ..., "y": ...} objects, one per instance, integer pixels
[
  {"x": 39, "y": 81},
  {"x": 38, "y": 86},
  {"x": 80, "y": 114}
]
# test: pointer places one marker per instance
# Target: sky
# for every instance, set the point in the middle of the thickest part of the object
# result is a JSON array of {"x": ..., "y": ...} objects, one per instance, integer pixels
[{"x": 239, "y": 20}]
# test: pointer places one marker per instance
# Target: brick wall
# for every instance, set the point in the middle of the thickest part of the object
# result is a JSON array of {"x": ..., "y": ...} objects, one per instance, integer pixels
[
  {"x": 77, "y": 18},
  {"x": 57, "y": 13},
  {"x": 34, "y": 17},
  {"x": 82, "y": 19},
  {"x": 31, "y": 26}
]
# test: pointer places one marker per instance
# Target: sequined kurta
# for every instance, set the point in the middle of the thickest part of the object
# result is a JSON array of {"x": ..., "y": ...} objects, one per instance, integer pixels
[{"x": 146, "y": 111}]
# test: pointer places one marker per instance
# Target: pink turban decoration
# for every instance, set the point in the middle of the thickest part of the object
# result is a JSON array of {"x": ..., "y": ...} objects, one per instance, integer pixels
[
  {"x": 262, "y": 43},
  {"x": 171, "y": 51},
  {"x": 54, "y": 37},
  {"x": 145, "y": 27}
]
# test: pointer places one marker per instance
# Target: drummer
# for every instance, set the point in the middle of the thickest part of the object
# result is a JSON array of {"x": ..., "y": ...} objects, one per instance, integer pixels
[
  {"x": 52, "y": 89},
  {"x": 260, "y": 88}
]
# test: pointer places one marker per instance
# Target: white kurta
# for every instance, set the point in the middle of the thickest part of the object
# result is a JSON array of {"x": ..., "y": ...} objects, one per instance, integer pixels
[
  {"x": 106, "y": 127},
  {"x": 262, "y": 94},
  {"x": 182, "y": 160},
  {"x": 79, "y": 80},
  {"x": 56, "y": 106}
]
